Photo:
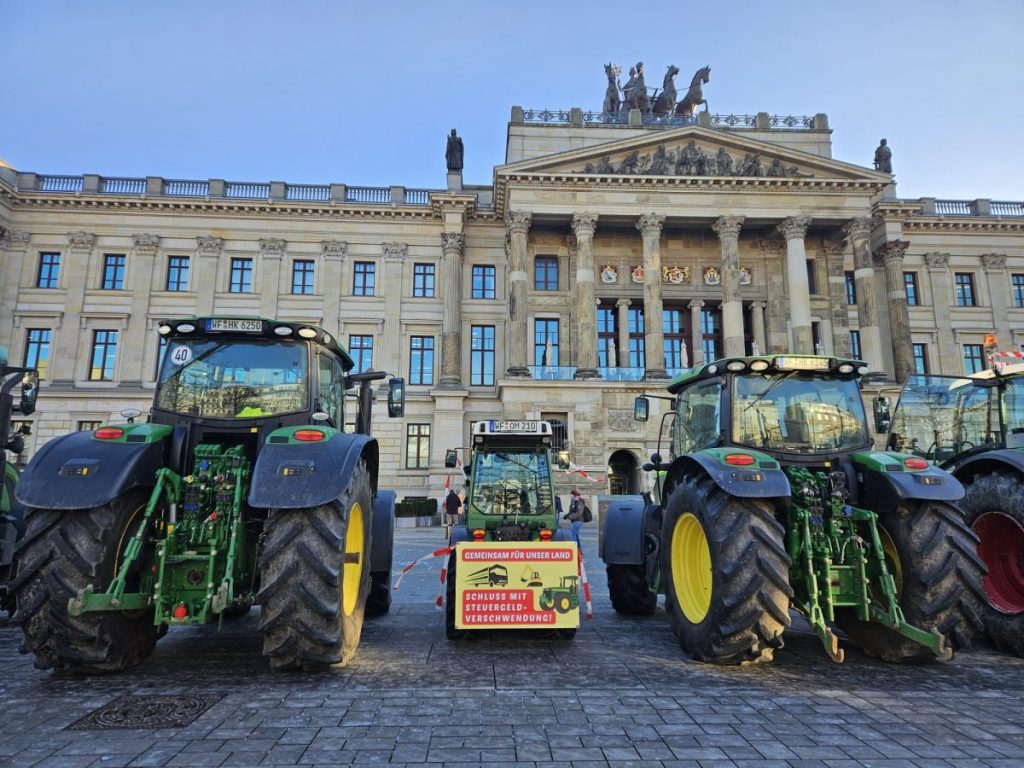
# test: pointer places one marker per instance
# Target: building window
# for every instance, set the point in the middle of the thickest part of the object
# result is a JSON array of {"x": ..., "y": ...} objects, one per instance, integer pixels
[
  {"x": 964, "y": 289},
  {"x": 361, "y": 350},
  {"x": 816, "y": 339},
  {"x": 812, "y": 277},
  {"x": 851, "y": 287},
  {"x": 674, "y": 327},
  {"x": 855, "y": 345},
  {"x": 417, "y": 446},
  {"x": 920, "y": 358},
  {"x": 910, "y": 286},
  {"x": 637, "y": 349},
  {"x": 302, "y": 277},
  {"x": 711, "y": 333},
  {"x": 363, "y": 278},
  {"x": 1017, "y": 281},
  {"x": 607, "y": 337},
  {"x": 974, "y": 358},
  {"x": 177, "y": 273},
  {"x": 49, "y": 270},
  {"x": 113, "y": 271},
  {"x": 545, "y": 273},
  {"x": 423, "y": 281},
  {"x": 481, "y": 368},
  {"x": 37, "y": 350},
  {"x": 421, "y": 360},
  {"x": 559, "y": 429},
  {"x": 483, "y": 282},
  {"x": 104, "y": 351},
  {"x": 241, "y": 276},
  {"x": 89, "y": 426},
  {"x": 545, "y": 341}
]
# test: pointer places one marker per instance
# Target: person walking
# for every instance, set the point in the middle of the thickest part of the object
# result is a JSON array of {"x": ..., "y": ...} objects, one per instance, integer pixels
[
  {"x": 575, "y": 516},
  {"x": 452, "y": 505}
]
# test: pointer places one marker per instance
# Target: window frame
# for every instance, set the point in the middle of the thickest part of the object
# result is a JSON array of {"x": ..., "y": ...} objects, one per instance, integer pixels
[
  {"x": 108, "y": 369},
  {"x": 424, "y": 280},
  {"x": 41, "y": 348},
  {"x": 850, "y": 285},
  {"x": 965, "y": 293},
  {"x": 242, "y": 267},
  {"x": 421, "y": 361},
  {"x": 543, "y": 265},
  {"x": 975, "y": 354},
  {"x": 484, "y": 273},
  {"x": 180, "y": 273},
  {"x": 358, "y": 351},
  {"x": 364, "y": 278},
  {"x": 49, "y": 270},
  {"x": 855, "y": 349},
  {"x": 911, "y": 288},
  {"x": 480, "y": 373},
  {"x": 1017, "y": 289},
  {"x": 303, "y": 277},
  {"x": 420, "y": 457},
  {"x": 542, "y": 333},
  {"x": 114, "y": 267}
]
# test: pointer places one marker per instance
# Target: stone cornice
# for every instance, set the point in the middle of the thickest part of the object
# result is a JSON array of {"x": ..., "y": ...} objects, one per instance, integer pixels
[{"x": 925, "y": 224}]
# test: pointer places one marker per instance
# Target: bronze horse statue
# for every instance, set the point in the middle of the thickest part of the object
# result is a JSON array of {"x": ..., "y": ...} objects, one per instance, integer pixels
[
  {"x": 666, "y": 100},
  {"x": 611, "y": 95},
  {"x": 694, "y": 97}
]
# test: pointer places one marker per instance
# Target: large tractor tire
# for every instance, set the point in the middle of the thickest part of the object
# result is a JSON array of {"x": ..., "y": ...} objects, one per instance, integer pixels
[
  {"x": 627, "y": 587},
  {"x": 994, "y": 506},
  {"x": 725, "y": 573},
  {"x": 449, "y": 603},
  {"x": 315, "y": 578},
  {"x": 932, "y": 555},
  {"x": 63, "y": 552},
  {"x": 378, "y": 602}
]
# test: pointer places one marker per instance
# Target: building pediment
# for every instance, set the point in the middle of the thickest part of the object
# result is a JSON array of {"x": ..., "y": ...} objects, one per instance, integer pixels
[{"x": 693, "y": 152}]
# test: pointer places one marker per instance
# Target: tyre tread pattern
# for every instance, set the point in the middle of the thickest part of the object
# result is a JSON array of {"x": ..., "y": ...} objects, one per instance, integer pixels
[{"x": 627, "y": 587}]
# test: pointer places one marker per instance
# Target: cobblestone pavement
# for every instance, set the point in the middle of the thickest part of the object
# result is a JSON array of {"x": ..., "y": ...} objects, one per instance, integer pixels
[{"x": 620, "y": 694}]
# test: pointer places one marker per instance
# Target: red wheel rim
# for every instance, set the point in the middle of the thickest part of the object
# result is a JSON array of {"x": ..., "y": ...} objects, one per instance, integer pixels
[{"x": 1001, "y": 547}]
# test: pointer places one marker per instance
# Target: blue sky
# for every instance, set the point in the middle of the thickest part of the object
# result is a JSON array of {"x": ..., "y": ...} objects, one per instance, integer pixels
[{"x": 311, "y": 91}]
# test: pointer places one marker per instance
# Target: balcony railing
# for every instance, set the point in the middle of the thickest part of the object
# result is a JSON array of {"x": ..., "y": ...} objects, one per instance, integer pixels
[
  {"x": 553, "y": 372},
  {"x": 417, "y": 197},
  {"x": 367, "y": 195},
  {"x": 597, "y": 118},
  {"x": 1007, "y": 209},
  {"x": 955, "y": 208},
  {"x": 186, "y": 188},
  {"x": 59, "y": 183},
  {"x": 246, "y": 190},
  {"x": 319, "y": 193},
  {"x": 622, "y": 374},
  {"x": 114, "y": 186}
]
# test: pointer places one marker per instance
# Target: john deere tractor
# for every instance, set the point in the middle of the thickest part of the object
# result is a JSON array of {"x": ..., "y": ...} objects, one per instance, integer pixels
[
  {"x": 241, "y": 487},
  {"x": 974, "y": 428},
  {"x": 774, "y": 499},
  {"x": 12, "y": 514},
  {"x": 510, "y": 520}
]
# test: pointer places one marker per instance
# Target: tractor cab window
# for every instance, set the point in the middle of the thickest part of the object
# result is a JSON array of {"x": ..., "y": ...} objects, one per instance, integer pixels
[
  {"x": 1013, "y": 410},
  {"x": 331, "y": 391},
  {"x": 696, "y": 425},
  {"x": 232, "y": 378},
  {"x": 511, "y": 482},
  {"x": 797, "y": 411}
]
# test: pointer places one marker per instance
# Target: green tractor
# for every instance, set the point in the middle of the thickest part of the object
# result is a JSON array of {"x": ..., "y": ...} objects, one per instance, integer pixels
[
  {"x": 775, "y": 499},
  {"x": 510, "y": 519},
  {"x": 240, "y": 488},
  {"x": 973, "y": 427},
  {"x": 12, "y": 514}
]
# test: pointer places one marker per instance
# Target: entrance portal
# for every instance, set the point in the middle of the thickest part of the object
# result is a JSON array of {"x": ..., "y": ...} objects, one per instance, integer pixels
[{"x": 622, "y": 476}]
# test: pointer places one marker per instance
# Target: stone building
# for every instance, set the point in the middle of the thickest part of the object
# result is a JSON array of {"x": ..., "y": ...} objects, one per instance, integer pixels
[{"x": 527, "y": 298}]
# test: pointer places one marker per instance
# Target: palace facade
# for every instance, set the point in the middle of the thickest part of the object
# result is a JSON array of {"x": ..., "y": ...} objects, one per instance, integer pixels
[{"x": 606, "y": 256}]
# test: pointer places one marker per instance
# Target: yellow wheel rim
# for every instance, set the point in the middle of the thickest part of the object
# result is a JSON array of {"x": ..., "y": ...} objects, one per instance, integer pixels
[
  {"x": 352, "y": 571},
  {"x": 892, "y": 559},
  {"x": 691, "y": 568}
]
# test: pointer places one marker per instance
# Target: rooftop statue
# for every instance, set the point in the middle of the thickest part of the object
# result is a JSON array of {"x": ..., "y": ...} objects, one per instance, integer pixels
[
  {"x": 694, "y": 96},
  {"x": 883, "y": 158},
  {"x": 611, "y": 94},
  {"x": 453, "y": 154},
  {"x": 666, "y": 100}
]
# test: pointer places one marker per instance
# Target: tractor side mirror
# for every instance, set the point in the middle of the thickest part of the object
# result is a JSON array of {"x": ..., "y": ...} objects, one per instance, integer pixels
[
  {"x": 451, "y": 458},
  {"x": 396, "y": 398},
  {"x": 29, "y": 393},
  {"x": 562, "y": 459},
  {"x": 882, "y": 418},
  {"x": 641, "y": 409}
]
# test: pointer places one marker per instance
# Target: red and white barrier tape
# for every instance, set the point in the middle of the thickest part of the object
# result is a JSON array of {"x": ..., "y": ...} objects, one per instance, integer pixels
[
  {"x": 586, "y": 588},
  {"x": 442, "y": 552}
]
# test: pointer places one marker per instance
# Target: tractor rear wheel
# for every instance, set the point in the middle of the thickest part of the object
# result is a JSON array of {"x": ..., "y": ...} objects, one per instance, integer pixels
[
  {"x": 932, "y": 556},
  {"x": 725, "y": 573},
  {"x": 315, "y": 577},
  {"x": 378, "y": 602},
  {"x": 450, "y": 630},
  {"x": 994, "y": 506},
  {"x": 63, "y": 552},
  {"x": 627, "y": 587}
]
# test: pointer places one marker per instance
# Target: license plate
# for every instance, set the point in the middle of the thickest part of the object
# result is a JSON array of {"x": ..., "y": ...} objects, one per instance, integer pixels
[
  {"x": 515, "y": 426},
  {"x": 234, "y": 324}
]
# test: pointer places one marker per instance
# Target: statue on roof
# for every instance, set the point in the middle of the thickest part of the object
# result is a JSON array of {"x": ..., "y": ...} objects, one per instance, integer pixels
[
  {"x": 453, "y": 154},
  {"x": 883, "y": 158},
  {"x": 694, "y": 95},
  {"x": 611, "y": 94}
]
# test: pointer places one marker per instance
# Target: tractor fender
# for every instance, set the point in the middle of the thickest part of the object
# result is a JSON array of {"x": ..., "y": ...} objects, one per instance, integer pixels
[
  {"x": 1000, "y": 460},
  {"x": 761, "y": 480},
  {"x": 623, "y": 539},
  {"x": 77, "y": 471},
  {"x": 383, "y": 531},
  {"x": 887, "y": 488},
  {"x": 296, "y": 475}
]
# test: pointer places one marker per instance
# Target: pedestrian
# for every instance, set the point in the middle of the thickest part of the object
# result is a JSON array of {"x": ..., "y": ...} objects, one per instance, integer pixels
[
  {"x": 452, "y": 504},
  {"x": 559, "y": 512},
  {"x": 576, "y": 515}
]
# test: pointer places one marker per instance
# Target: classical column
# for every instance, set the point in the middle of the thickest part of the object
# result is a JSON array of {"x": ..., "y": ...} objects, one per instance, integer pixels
[
  {"x": 622, "y": 353},
  {"x": 208, "y": 253},
  {"x": 518, "y": 225},
  {"x": 141, "y": 269},
  {"x": 453, "y": 246},
  {"x": 69, "y": 354},
  {"x": 13, "y": 250},
  {"x": 394, "y": 355},
  {"x": 858, "y": 231},
  {"x": 728, "y": 230},
  {"x": 696, "y": 334},
  {"x": 583, "y": 226},
  {"x": 999, "y": 294},
  {"x": 837, "y": 297},
  {"x": 891, "y": 256},
  {"x": 794, "y": 229},
  {"x": 942, "y": 291},
  {"x": 270, "y": 279},
  {"x": 757, "y": 315},
  {"x": 650, "y": 225},
  {"x": 332, "y": 257}
]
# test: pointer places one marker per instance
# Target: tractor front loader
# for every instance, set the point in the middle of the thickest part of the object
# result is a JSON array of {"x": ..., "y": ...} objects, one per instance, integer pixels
[
  {"x": 773, "y": 498},
  {"x": 973, "y": 427},
  {"x": 240, "y": 488}
]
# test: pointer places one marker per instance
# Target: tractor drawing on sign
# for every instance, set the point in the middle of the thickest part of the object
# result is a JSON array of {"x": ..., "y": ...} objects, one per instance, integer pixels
[
  {"x": 12, "y": 513},
  {"x": 774, "y": 499},
  {"x": 241, "y": 487},
  {"x": 510, "y": 497},
  {"x": 563, "y": 598},
  {"x": 973, "y": 427}
]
